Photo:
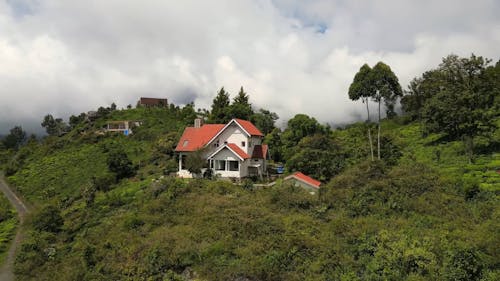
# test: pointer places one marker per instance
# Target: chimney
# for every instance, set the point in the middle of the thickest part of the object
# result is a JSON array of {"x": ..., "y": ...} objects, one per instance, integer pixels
[{"x": 198, "y": 122}]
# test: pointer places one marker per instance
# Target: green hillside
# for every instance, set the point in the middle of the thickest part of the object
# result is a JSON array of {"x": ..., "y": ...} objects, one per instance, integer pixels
[
  {"x": 417, "y": 215},
  {"x": 8, "y": 224},
  {"x": 418, "y": 202}
]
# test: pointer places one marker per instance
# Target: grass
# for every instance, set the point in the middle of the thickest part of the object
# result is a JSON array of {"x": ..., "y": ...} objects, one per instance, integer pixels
[
  {"x": 446, "y": 157},
  {"x": 8, "y": 225},
  {"x": 405, "y": 225}
]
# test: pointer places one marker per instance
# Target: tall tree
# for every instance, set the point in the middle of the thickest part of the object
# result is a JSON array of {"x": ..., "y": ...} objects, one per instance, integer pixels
[
  {"x": 362, "y": 88},
  {"x": 75, "y": 120},
  {"x": 15, "y": 138},
  {"x": 264, "y": 120},
  {"x": 273, "y": 139},
  {"x": 241, "y": 107},
  {"x": 54, "y": 127},
  {"x": 188, "y": 114},
  {"x": 300, "y": 126},
  {"x": 386, "y": 88},
  {"x": 220, "y": 108},
  {"x": 463, "y": 105},
  {"x": 318, "y": 156}
]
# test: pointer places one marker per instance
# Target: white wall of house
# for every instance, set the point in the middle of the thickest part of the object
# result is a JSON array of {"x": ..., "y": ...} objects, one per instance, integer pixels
[
  {"x": 232, "y": 134},
  {"x": 302, "y": 184},
  {"x": 244, "y": 168},
  {"x": 226, "y": 156},
  {"x": 183, "y": 173}
]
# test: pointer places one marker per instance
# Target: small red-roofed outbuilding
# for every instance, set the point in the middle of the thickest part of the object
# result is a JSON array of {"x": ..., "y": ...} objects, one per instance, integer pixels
[{"x": 299, "y": 179}]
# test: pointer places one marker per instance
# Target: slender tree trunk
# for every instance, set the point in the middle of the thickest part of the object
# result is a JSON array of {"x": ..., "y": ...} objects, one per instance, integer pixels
[
  {"x": 367, "y": 111},
  {"x": 369, "y": 129},
  {"x": 378, "y": 136}
]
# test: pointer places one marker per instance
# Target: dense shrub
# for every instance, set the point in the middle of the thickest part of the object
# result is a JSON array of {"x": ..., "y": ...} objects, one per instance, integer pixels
[
  {"x": 120, "y": 164},
  {"x": 103, "y": 182},
  {"x": 48, "y": 219}
]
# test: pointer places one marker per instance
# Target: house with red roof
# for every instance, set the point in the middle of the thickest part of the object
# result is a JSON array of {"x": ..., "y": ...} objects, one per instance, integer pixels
[
  {"x": 304, "y": 181},
  {"x": 232, "y": 150}
]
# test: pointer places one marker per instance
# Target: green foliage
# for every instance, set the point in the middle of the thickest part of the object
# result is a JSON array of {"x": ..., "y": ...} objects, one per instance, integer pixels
[
  {"x": 15, "y": 138},
  {"x": 77, "y": 120},
  {"x": 457, "y": 98},
  {"x": 103, "y": 182},
  {"x": 8, "y": 225},
  {"x": 54, "y": 127},
  {"x": 404, "y": 217},
  {"x": 195, "y": 161},
  {"x": 241, "y": 107},
  {"x": 318, "y": 156},
  {"x": 299, "y": 127},
  {"x": 381, "y": 85},
  {"x": 274, "y": 141},
  {"x": 264, "y": 120},
  {"x": 120, "y": 164},
  {"x": 220, "y": 108},
  {"x": 48, "y": 219},
  {"x": 361, "y": 88},
  {"x": 463, "y": 265},
  {"x": 386, "y": 87}
]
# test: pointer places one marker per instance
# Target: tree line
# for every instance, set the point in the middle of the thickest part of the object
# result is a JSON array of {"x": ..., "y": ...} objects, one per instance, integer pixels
[{"x": 459, "y": 98}]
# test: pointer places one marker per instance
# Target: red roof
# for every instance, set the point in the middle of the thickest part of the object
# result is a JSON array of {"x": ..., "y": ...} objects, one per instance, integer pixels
[
  {"x": 195, "y": 138},
  {"x": 300, "y": 176},
  {"x": 249, "y": 127},
  {"x": 260, "y": 151},
  {"x": 238, "y": 150}
]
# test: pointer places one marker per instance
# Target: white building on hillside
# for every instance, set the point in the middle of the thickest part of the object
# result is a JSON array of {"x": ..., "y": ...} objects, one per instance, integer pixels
[{"x": 232, "y": 150}]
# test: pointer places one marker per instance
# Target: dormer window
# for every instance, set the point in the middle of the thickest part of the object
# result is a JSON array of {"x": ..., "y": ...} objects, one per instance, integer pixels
[{"x": 185, "y": 143}]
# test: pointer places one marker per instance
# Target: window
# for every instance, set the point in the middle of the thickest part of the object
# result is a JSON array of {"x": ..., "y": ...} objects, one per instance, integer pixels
[
  {"x": 183, "y": 162},
  {"x": 186, "y": 142},
  {"x": 220, "y": 165},
  {"x": 234, "y": 165},
  {"x": 243, "y": 144},
  {"x": 216, "y": 144}
]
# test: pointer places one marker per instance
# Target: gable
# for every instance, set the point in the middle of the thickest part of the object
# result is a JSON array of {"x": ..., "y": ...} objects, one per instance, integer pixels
[
  {"x": 232, "y": 149},
  {"x": 235, "y": 131},
  {"x": 246, "y": 127}
]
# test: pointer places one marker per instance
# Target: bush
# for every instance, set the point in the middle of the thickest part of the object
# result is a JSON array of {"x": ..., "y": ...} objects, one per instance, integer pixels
[
  {"x": 104, "y": 182},
  {"x": 48, "y": 219},
  {"x": 132, "y": 222},
  {"x": 289, "y": 196},
  {"x": 120, "y": 164},
  {"x": 463, "y": 264}
]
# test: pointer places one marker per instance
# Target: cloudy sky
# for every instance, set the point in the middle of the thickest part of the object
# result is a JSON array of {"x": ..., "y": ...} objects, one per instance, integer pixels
[{"x": 64, "y": 57}]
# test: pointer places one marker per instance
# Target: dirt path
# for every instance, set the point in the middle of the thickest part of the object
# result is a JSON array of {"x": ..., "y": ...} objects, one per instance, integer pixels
[{"x": 7, "y": 269}]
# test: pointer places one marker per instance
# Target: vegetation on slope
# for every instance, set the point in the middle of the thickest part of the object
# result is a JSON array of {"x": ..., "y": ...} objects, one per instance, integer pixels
[
  {"x": 8, "y": 224},
  {"x": 108, "y": 209},
  {"x": 407, "y": 217}
]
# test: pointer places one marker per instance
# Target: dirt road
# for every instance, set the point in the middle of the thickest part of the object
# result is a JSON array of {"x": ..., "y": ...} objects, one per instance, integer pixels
[{"x": 7, "y": 269}]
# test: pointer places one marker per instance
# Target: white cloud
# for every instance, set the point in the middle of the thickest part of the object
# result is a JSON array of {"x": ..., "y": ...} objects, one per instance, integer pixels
[{"x": 65, "y": 57}]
